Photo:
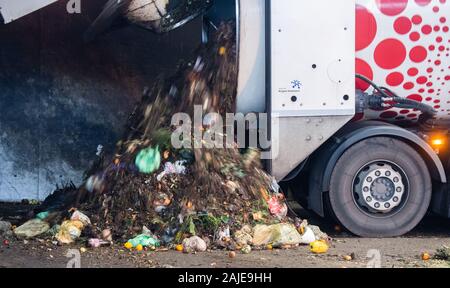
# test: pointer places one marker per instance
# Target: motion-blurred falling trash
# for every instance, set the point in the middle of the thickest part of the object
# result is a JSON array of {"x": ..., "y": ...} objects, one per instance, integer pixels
[
  {"x": 146, "y": 239},
  {"x": 172, "y": 168},
  {"x": 95, "y": 183},
  {"x": 198, "y": 197}
]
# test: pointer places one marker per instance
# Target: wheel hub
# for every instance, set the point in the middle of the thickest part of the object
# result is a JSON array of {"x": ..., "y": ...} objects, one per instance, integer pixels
[{"x": 382, "y": 188}]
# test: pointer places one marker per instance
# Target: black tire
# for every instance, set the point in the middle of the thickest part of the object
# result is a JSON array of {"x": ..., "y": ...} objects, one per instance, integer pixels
[{"x": 367, "y": 224}]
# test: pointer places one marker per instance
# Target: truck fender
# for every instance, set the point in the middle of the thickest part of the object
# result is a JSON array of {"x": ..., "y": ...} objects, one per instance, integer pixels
[{"x": 330, "y": 153}]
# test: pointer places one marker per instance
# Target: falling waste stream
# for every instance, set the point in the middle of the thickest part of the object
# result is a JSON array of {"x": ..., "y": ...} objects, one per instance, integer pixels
[{"x": 149, "y": 194}]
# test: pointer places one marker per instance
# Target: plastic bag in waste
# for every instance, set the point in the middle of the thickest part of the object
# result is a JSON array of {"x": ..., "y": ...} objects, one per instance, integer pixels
[
  {"x": 32, "y": 229},
  {"x": 318, "y": 234},
  {"x": 194, "y": 244},
  {"x": 172, "y": 168},
  {"x": 148, "y": 160},
  {"x": 308, "y": 237},
  {"x": 70, "y": 231},
  {"x": 244, "y": 236},
  {"x": 144, "y": 240},
  {"x": 43, "y": 215},
  {"x": 77, "y": 215},
  {"x": 276, "y": 235},
  {"x": 54, "y": 230}
]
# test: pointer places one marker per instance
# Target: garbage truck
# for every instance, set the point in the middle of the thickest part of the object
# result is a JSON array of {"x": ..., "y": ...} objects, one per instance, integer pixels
[{"x": 357, "y": 93}]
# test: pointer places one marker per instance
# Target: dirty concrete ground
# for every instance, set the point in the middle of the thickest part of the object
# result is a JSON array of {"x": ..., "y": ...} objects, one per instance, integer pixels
[{"x": 433, "y": 233}]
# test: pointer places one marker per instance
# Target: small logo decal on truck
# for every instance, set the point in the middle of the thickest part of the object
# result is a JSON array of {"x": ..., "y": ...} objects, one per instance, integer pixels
[{"x": 296, "y": 84}]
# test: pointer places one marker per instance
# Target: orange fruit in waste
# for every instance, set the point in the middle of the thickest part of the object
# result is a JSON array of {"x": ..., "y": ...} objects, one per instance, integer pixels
[
  {"x": 426, "y": 256},
  {"x": 269, "y": 247},
  {"x": 166, "y": 154},
  {"x": 179, "y": 248},
  {"x": 232, "y": 254},
  {"x": 128, "y": 245},
  {"x": 222, "y": 51},
  {"x": 139, "y": 247}
]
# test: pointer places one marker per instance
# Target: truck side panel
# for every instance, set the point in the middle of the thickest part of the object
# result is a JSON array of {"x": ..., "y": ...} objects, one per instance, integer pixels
[{"x": 312, "y": 86}]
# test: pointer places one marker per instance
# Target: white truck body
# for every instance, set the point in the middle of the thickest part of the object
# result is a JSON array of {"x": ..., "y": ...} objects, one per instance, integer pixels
[{"x": 299, "y": 53}]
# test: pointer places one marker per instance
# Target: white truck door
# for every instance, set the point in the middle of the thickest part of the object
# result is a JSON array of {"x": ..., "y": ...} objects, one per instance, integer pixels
[
  {"x": 312, "y": 76},
  {"x": 12, "y": 10}
]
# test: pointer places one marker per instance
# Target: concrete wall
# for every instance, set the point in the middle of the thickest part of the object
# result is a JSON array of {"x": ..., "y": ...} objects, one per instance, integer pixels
[{"x": 60, "y": 98}]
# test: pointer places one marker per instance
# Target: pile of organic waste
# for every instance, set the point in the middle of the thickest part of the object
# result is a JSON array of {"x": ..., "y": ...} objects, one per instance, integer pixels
[{"x": 149, "y": 194}]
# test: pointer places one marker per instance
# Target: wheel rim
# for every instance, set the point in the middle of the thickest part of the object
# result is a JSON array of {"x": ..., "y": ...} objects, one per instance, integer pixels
[{"x": 380, "y": 189}]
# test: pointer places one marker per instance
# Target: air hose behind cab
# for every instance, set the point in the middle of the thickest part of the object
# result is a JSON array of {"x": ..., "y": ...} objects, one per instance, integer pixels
[{"x": 386, "y": 98}]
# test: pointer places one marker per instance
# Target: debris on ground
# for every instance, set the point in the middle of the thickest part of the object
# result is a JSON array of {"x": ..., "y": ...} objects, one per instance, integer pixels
[
  {"x": 318, "y": 234},
  {"x": 442, "y": 253},
  {"x": 247, "y": 249},
  {"x": 277, "y": 235},
  {"x": 244, "y": 236},
  {"x": 70, "y": 231},
  {"x": 149, "y": 194},
  {"x": 143, "y": 240},
  {"x": 32, "y": 228},
  {"x": 319, "y": 247},
  {"x": 348, "y": 258},
  {"x": 308, "y": 236},
  {"x": 194, "y": 244},
  {"x": 425, "y": 256},
  {"x": 79, "y": 216},
  {"x": 5, "y": 229},
  {"x": 97, "y": 243}
]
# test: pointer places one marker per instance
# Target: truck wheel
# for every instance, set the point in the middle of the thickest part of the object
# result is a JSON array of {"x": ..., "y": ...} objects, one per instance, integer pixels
[{"x": 380, "y": 187}]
